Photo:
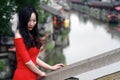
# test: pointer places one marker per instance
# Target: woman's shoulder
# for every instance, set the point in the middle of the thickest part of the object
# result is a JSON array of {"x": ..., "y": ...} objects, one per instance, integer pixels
[{"x": 17, "y": 34}]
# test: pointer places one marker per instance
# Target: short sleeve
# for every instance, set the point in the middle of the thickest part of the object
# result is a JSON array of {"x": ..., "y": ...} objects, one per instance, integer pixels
[{"x": 21, "y": 49}]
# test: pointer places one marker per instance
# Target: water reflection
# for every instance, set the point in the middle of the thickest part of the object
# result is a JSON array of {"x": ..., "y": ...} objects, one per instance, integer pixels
[
  {"x": 54, "y": 48},
  {"x": 114, "y": 30},
  {"x": 89, "y": 37},
  {"x": 55, "y": 56}
]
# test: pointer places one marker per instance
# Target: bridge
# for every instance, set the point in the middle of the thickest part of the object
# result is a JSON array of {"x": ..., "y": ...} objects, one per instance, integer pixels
[{"x": 89, "y": 64}]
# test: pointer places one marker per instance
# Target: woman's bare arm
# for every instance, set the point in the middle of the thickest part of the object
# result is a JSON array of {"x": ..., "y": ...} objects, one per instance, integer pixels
[
  {"x": 47, "y": 66},
  {"x": 34, "y": 68}
]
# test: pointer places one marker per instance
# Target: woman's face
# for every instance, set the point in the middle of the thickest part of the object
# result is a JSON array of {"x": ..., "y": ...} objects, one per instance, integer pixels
[{"x": 32, "y": 21}]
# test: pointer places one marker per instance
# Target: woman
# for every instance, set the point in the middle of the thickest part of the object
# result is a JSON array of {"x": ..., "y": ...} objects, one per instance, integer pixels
[{"x": 27, "y": 44}]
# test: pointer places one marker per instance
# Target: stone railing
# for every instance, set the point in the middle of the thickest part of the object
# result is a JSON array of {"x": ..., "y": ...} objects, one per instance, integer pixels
[{"x": 85, "y": 66}]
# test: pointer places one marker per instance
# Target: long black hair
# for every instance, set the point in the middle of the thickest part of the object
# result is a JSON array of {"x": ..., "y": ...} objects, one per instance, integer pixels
[{"x": 23, "y": 18}]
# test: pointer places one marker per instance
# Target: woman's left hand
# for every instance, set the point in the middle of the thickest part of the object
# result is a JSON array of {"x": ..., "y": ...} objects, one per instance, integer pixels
[{"x": 57, "y": 66}]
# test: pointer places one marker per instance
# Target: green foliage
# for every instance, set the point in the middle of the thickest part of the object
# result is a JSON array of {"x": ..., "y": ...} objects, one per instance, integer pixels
[
  {"x": 6, "y": 10},
  {"x": 49, "y": 47},
  {"x": 43, "y": 15},
  {"x": 64, "y": 34},
  {"x": 2, "y": 66}
]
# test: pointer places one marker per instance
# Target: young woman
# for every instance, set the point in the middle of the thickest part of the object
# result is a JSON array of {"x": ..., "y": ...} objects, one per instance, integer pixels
[{"x": 27, "y": 44}]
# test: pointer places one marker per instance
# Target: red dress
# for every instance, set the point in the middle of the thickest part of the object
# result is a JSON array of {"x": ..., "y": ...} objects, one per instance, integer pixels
[{"x": 23, "y": 55}]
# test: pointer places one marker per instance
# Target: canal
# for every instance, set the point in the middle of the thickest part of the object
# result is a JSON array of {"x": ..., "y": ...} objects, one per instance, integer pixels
[{"x": 89, "y": 37}]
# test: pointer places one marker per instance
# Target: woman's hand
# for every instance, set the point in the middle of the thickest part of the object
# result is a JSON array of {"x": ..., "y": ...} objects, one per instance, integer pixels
[
  {"x": 41, "y": 75},
  {"x": 57, "y": 66}
]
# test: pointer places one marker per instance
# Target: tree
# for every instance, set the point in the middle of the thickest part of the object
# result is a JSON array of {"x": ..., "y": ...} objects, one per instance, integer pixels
[{"x": 6, "y": 10}]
